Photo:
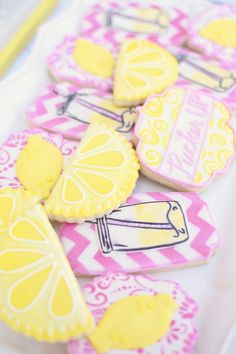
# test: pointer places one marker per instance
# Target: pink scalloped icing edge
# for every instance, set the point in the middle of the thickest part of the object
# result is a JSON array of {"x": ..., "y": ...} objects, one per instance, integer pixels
[
  {"x": 102, "y": 291},
  {"x": 188, "y": 186}
]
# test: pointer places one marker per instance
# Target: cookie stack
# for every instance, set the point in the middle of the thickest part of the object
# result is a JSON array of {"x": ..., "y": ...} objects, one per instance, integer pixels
[{"x": 138, "y": 89}]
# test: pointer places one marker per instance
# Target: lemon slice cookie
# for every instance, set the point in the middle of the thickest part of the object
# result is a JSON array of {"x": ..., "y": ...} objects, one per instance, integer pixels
[
  {"x": 100, "y": 176},
  {"x": 142, "y": 68},
  {"x": 40, "y": 296}
]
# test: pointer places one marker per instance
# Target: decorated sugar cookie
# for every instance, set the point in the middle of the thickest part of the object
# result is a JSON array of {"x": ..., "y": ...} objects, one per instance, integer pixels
[
  {"x": 67, "y": 110},
  {"x": 142, "y": 68},
  {"x": 117, "y": 21},
  {"x": 150, "y": 231},
  {"x": 214, "y": 33},
  {"x": 83, "y": 62},
  {"x": 184, "y": 138},
  {"x": 100, "y": 176},
  {"x": 40, "y": 296},
  {"x": 209, "y": 76},
  {"x": 36, "y": 166},
  {"x": 137, "y": 314}
]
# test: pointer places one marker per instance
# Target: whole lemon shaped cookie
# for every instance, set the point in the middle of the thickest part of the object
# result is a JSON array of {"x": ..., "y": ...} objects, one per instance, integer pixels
[
  {"x": 142, "y": 68},
  {"x": 40, "y": 296},
  {"x": 99, "y": 177}
]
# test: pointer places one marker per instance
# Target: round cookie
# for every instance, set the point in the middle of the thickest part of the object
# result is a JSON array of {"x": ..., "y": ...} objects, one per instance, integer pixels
[
  {"x": 12, "y": 148},
  {"x": 184, "y": 138},
  {"x": 150, "y": 303},
  {"x": 151, "y": 231},
  {"x": 214, "y": 33},
  {"x": 83, "y": 62},
  {"x": 67, "y": 110}
]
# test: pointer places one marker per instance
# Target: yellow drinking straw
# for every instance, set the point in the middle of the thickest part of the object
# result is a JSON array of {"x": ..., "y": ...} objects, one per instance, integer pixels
[{"x": 24, "y": 33}]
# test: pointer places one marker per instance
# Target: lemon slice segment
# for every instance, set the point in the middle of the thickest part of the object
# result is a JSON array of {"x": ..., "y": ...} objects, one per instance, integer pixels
[
  {"x": 40, "y": 296},
  {"x": 100, "y": 176},
  {"x": 142, "y": 68}
]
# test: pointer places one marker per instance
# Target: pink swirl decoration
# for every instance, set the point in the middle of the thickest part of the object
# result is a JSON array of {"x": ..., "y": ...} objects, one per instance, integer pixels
[
  {"x": 68, "y": 148},
  {"x": 4, "y": 156}
]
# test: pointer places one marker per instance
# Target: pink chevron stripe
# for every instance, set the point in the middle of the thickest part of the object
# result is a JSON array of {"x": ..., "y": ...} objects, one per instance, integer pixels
[
  {"x": 173, "y": 255},
  {"x": 142, "y": 260},
  {"x": 39, "y": 104},
  {"x": 133, "y": 200},
  {"x": 50, "y": 124},
  {"x": 181, "y": 31},
  {"x": 91, "y": 19},
  {"x": 76, "y": 131},
  {"x": 205, "y": 229},
  {"x": 158, "y": 196},
  {"x": 108, "y": 262}
]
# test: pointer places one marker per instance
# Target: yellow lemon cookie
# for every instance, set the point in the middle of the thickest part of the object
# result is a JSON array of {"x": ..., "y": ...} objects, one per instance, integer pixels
[
  {"x": 99, "y": 177},
  {"x": 39, "y": 166},
  {"x": 142, "y": 68},
  {"x": 40, "y": 296},
  {"x": 93, "y": 58}
]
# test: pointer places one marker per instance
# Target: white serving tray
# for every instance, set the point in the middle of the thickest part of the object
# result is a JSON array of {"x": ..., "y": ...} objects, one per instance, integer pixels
[{"x": 213, "y": 285}]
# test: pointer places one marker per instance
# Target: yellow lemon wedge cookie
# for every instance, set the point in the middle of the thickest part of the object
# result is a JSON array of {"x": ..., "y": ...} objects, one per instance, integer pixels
[
  {"x": 39, "y": 166},
  {"x": 142, "y": 68},
  {"x": 99, "y": 177},
  {"x": 93, "y": 58},
  {"x": 40, "y": 296},
  {"x": 148, "y": 320}
]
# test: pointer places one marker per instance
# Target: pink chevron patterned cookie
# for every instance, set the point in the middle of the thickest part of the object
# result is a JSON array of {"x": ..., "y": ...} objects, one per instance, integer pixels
[
  {"x": 184, "y": 138},
  {"x": 65, "y": 109},
  {"x": 209, "y": 76},
  {"x": 84, "y": 62},
  {"x": 10, "y": 150},
  {"x": 112, "y": 289},
  {"x": 151, "y": 231},
  {"x": 214, "y": 33},
  {"x": 116, "y": 21}
]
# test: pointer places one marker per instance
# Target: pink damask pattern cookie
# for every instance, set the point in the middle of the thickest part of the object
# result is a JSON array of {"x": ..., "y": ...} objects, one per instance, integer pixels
[
  {"x": 10, "y": 151},
  {"x": 67, "y": 110},
  {"x": 100, "y": 293},
  {"x": 63, "y": 66},
  {"x": 116, "y": 21},
  {"x": 214, "y": 33},
  {"x": 209, "y": 76},
  {"x": 151, "y": 231}
]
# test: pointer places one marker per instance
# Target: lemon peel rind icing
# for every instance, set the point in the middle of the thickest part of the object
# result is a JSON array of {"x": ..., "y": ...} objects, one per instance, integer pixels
[
  {"x": 104, "y": 206},
  {"x": 157, "y": 172},
  {"x": 22, "y": 320}
]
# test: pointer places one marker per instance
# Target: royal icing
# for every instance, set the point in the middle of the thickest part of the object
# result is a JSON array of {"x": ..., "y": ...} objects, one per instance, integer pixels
[
  {"x": 209, "y": 76},
  {"x": 100, "y": 176},
  {"x": 67, "y": 110},
  {"x": 35, "y": 275},
  {"x": 112, "y": 291},
  {"x": 214, "y": 33},
  {"x": 83, "y": 62},
  {"x": 184, "y": 138},
  {"x": 150, "y": 231},
  {"x": 12, "y": 148},
  {"x": 39, "y": 166},
  {"x": 148, "y": 321},
  {"x": 117, "y": 21},
  {"x": 142, "y": 68}
]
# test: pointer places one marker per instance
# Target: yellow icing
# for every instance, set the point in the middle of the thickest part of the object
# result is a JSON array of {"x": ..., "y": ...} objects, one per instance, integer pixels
[
  {"x": 39, "y": 166},
  {"x": 221, "y": 31},
  {"x": 162, "y": 111},
  {"x": 93, "y": 58},
  {"x": 142, "y": 68},
  {"x": 100, "y": 176},
  {"x": 134, "y": 322},
  {"x": 39, "y": 293}
]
